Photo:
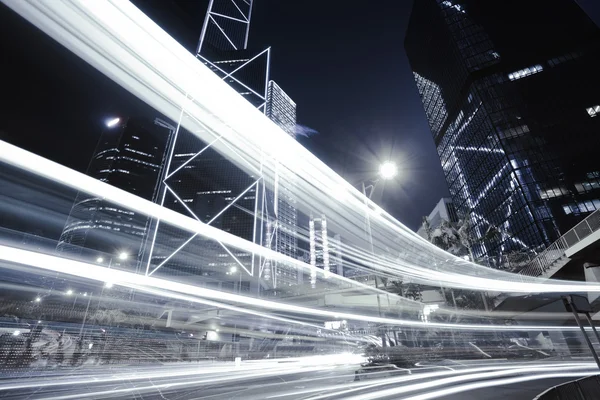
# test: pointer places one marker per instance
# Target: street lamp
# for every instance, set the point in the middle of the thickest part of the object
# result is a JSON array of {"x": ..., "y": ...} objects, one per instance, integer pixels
[
  {"x": 388, "y": 170},
  {"x": 123, "y": 256},
  {"x": 113, "y": 122},
  {"x": 38, "y": 299},
  {"x": 99, "y": 260},
  {"x": 69, "y": 292}
]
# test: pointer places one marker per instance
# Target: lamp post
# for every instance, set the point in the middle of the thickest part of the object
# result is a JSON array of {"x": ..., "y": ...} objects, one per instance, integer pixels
[{"x": 387, "y": 171}]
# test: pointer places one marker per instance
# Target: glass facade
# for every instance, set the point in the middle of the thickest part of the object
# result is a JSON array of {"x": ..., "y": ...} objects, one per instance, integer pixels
[
  {"x": 508, "y": 102},
  {"x": 281, "y": 109},
  {"x": 129, "y": 156}
]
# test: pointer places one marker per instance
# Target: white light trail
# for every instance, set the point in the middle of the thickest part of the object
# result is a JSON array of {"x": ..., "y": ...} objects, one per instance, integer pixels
[
  {"x": 124, "y": 44},
  {"x": 100, "y": 274}
]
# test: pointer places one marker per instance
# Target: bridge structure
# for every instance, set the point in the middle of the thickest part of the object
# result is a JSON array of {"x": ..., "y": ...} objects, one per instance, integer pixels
[{"x": 194, "y": 300}]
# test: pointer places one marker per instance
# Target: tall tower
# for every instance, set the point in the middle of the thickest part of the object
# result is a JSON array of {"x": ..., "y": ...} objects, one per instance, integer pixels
[
  {"x": 319, "y": 247},
  {"x": 130, "y": 156},
  {"x": 207, "y": 186},
  {"x": 509, "y": 90}
]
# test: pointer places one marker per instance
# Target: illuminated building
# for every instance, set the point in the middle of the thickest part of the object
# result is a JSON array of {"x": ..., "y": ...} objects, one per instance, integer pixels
[
  {"x": 443, "y": 211},
  {"x": 222, "y": 190},
  {"x": 512, "y": 108},
  {"x": 129, "y": 156}
]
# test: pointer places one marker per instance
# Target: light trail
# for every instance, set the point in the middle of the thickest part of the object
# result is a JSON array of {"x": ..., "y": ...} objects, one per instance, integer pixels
[
  {"x": 496, "y": 382},
  {"x": 121, "y": 42},
  {"x": 100, "y": 274},
  {"x": 470, "y": 376},
  {"x": 455, "y": 375}
]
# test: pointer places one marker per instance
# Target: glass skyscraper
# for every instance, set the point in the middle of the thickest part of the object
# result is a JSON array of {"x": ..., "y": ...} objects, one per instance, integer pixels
[
  {"x": 225, "y": 191},
  {"x": 510, "y": 90},
  {"x": 129, "y": 155}
]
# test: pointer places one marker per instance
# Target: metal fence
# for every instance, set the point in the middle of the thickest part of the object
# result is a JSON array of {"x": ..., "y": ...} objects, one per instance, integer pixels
[
  {"x": 546, "y": 259},
  {"x": 581, "y": 389}
]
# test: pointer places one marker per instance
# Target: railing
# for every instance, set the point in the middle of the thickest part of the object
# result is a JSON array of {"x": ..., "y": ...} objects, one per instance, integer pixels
[{"x": 544, "y": 261}]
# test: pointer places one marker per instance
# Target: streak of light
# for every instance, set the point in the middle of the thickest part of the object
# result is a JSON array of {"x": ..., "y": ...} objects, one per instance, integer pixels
[
  {"x": 496, "y": 382},
  {"x": 121, "y": 42},
  {"x": 361, "y": 385},
  {"x": 468, "y": 377},
  {"x": 99, "y": 273}
]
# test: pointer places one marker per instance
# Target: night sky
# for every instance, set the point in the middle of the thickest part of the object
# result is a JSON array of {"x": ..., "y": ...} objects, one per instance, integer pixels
[{"x": 342, "y": 62}]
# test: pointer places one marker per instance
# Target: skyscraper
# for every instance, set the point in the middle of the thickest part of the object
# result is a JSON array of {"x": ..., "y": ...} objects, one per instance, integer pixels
[
  {"x": 129, "y": 156},
  {"x": 510, "y": 92},
  {"x": 206, "y": 185}
]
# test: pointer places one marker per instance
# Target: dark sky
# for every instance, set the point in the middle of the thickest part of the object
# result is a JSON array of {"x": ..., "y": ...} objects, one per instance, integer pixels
[{"x": 343, "y": 63}]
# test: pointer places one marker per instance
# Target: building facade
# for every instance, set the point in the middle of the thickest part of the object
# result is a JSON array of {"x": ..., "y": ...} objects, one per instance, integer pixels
[
  {"x": 509, "y": 91},
  {"x": 221, "y": 190},
  {"x": 443, "y": 211},
  {"x": 129, "y": 155}
]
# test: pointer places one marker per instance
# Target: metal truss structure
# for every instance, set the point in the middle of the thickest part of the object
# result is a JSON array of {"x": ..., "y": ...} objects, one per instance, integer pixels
[
  {"x": 222, "y": 48},
  {"x": 226, "y": 25}
]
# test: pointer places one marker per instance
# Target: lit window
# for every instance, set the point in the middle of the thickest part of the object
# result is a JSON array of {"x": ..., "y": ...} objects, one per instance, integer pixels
[
  {"x": 551, "y": 193},
  {"x": 522, "y": 73},
  {"x": 593, "y": 111}
]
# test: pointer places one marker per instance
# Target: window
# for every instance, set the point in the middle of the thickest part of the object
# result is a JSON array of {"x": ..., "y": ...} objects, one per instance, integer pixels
[
  {"x": 522, "y": 73},
  {"x": 593, "y": 111}
]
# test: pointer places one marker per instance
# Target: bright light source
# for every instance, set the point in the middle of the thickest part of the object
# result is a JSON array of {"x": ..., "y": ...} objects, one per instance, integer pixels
[
  {"x": 90, "y": 346},
  {"x": 39, "y": 322},
  {"x": 191, "y": 335},
  {"x": 123, "y": 256},
  {"x": 85, "y": 294},
  {"x": 211, "y": 335},
  {"x": 99, "y": 259},
  {"x": 388, "y": 170},
  {"x": 108, "y": 285},
  {"x": 113, "y": 122},
  {"x": 233, "y": 270},
  {"x": 69, "y": 292},
  {"x": 38, "y": 299},
  {"x": 16, "y": 333}
]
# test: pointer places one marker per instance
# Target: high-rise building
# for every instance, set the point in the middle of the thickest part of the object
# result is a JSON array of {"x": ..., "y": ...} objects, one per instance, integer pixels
[
  {"x": 443, "y": 211},
  {"x": 129, "y": 156},
  {"x": 509, "y": 88},
  {"x": 206, "y": 185}
]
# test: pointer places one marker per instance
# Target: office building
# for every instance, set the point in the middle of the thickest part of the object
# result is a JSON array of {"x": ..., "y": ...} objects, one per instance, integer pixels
[
  {"x": 443, "y": 211},
  {"x": 129, "y": 156},
  {"x": 216, "y": 189},
  {"x": 510, "y": 92}
]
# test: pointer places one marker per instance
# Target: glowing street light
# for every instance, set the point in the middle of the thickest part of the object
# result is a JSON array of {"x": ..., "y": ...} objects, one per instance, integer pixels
[
  {"x": 388, "y": 170},
  {"x": 113, "y": 122},
  {"x": 123, "y": 256},
  {"x": 99, "y": 260},
  {"x": 38, "y": 299},
  {"x": 69, "y": 292},
  {"x": 233, "y": 270}
]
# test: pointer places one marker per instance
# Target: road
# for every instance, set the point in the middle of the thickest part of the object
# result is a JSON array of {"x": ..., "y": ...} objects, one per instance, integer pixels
[{"x": 302, "y": 378}]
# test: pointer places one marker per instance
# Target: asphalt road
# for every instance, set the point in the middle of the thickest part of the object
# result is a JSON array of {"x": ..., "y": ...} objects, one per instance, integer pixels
[{"x": 299, "y": 379}]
